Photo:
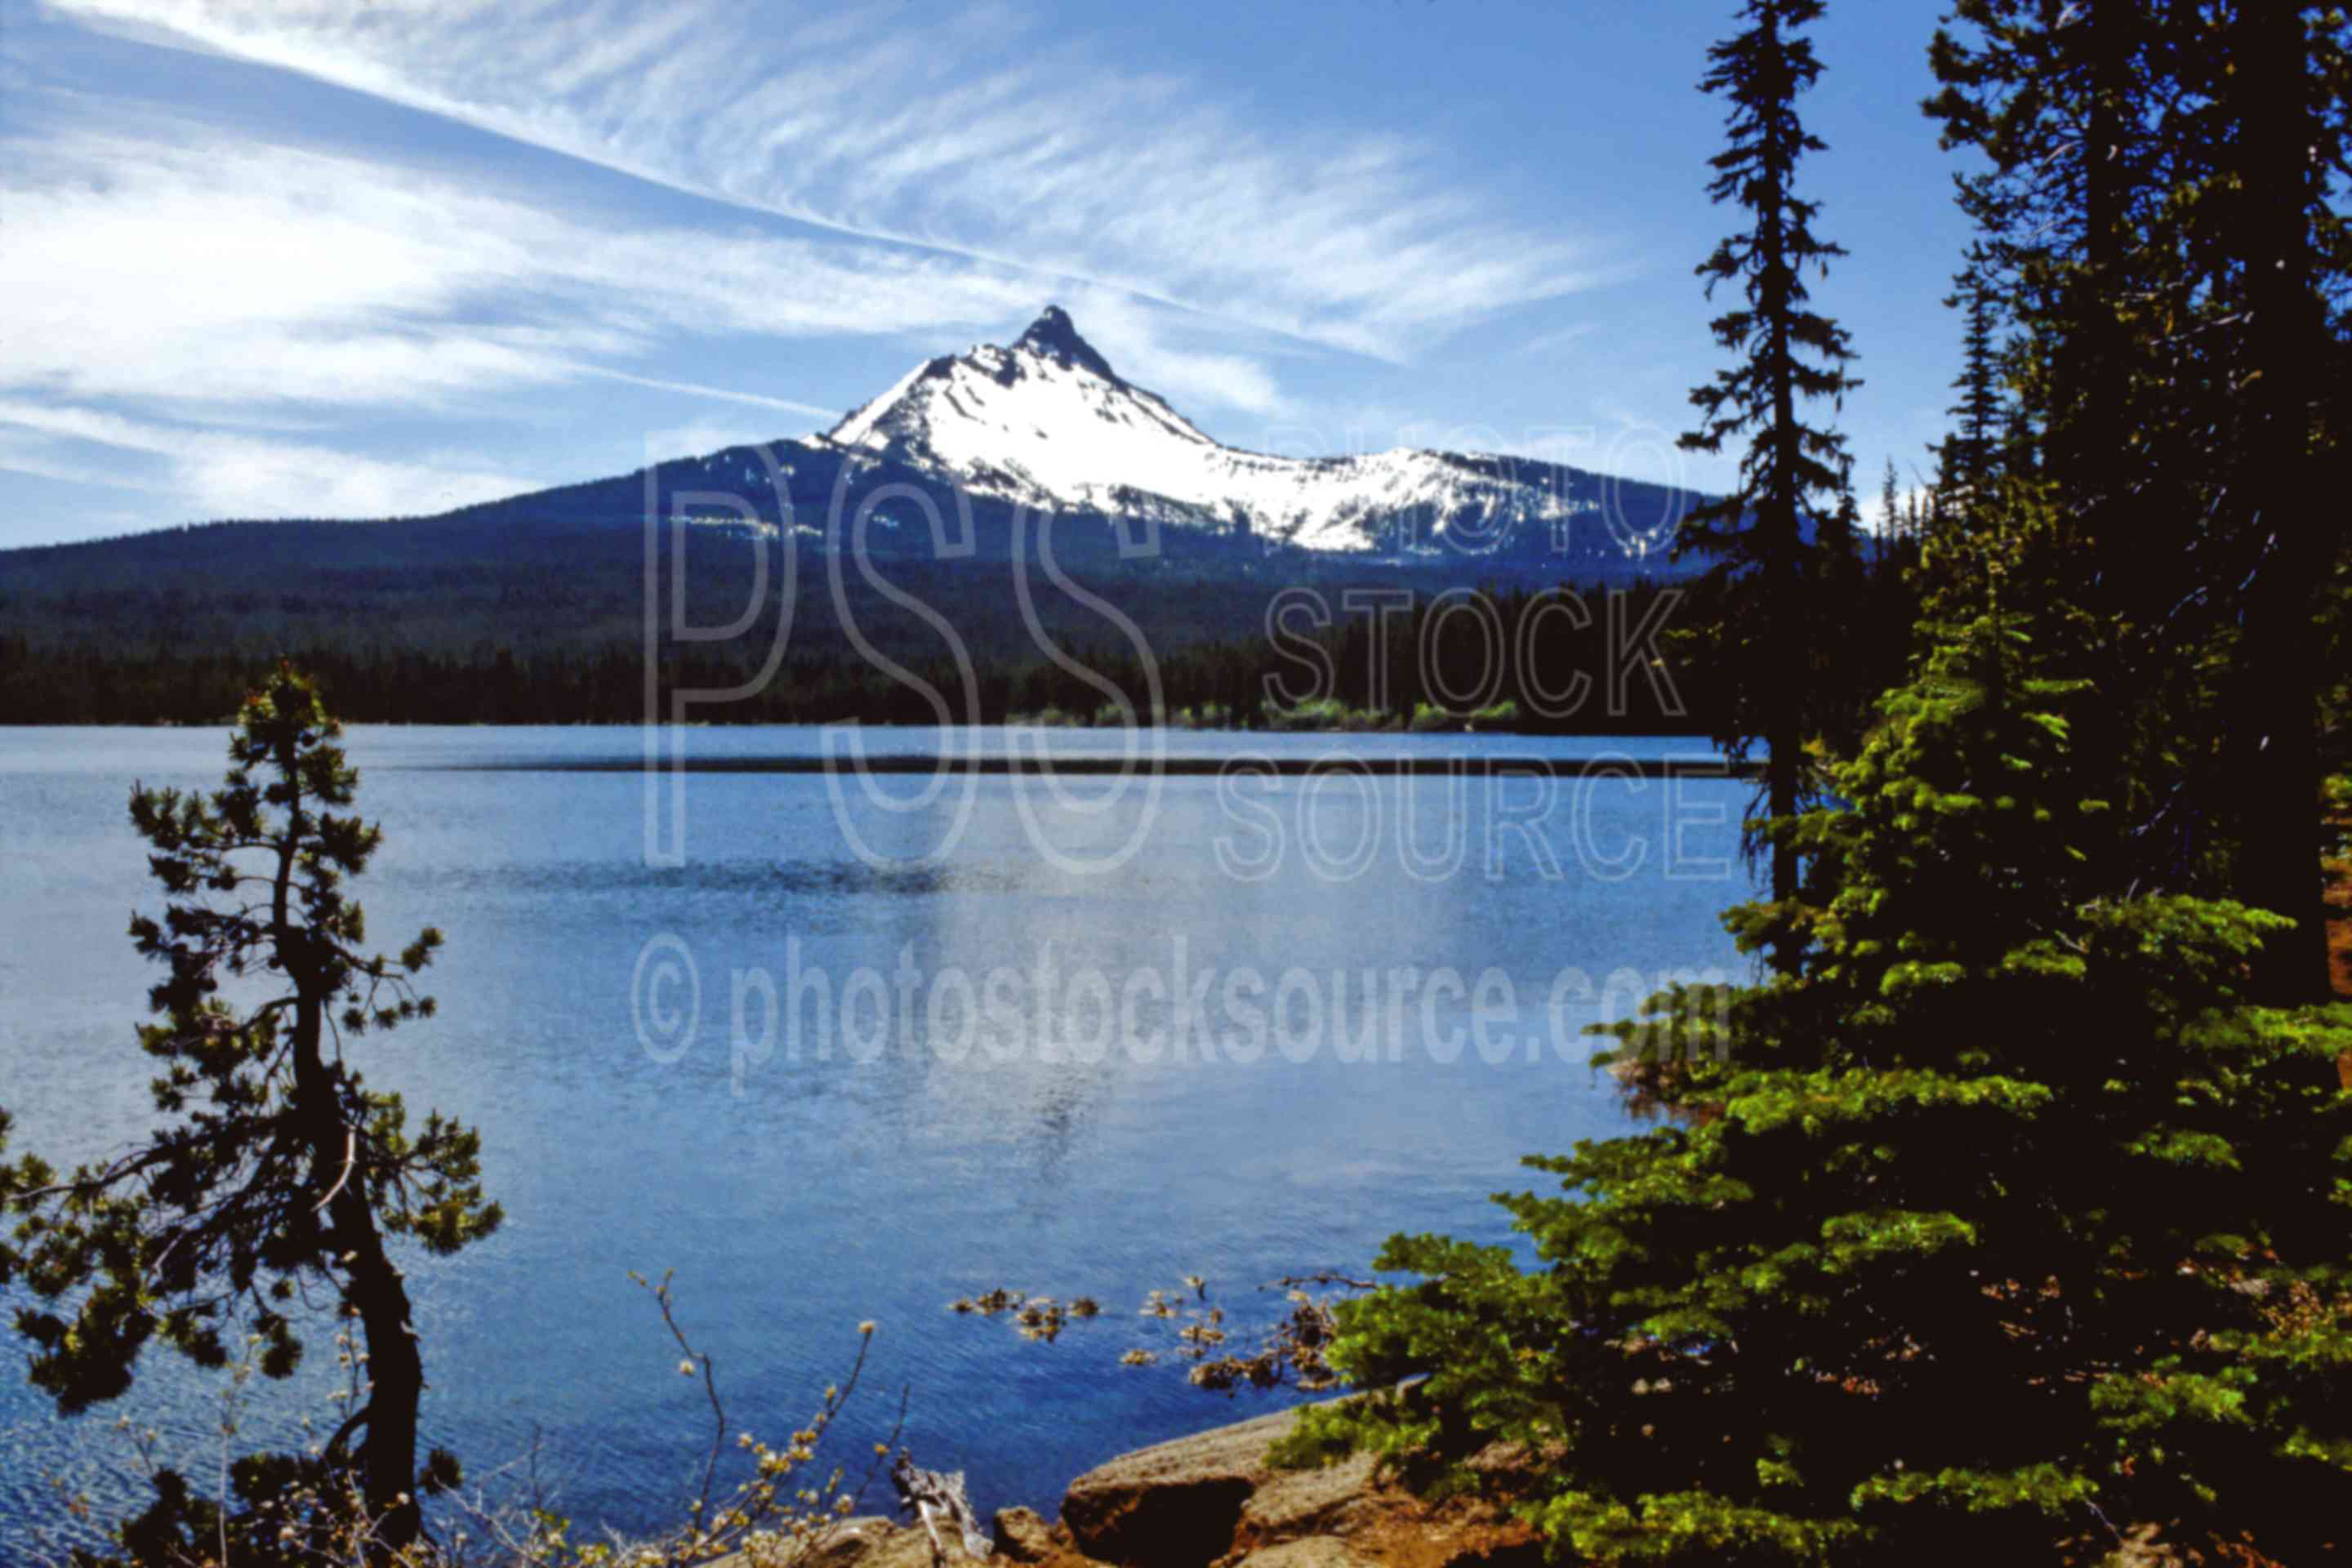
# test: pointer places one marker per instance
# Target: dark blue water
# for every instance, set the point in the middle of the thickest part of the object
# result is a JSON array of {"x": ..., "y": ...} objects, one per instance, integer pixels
[{"x": 1065, "y": 1140}]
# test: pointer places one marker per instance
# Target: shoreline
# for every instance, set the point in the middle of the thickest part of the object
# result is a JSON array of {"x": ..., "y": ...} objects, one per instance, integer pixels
[{"x": 1210, "y": 1499}]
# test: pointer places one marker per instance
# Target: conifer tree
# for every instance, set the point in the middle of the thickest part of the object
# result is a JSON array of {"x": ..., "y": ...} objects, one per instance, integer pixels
[
  {"x": 2281, "y": 225},
  {"x": 1794, "y": 477},
  {"x": 2064, "y": 103},
  {"x": 1967, "y": 454},
  {"x": 2001, "y": 1219},
  {"x": 279, "y": 1169},
  {"x": 2054, "y": 97},
  {"x": 2163, "y": 206}
]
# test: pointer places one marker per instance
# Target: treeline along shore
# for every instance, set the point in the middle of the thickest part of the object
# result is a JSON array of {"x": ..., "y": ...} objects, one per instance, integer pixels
[{"x": 1401, "y": 655}]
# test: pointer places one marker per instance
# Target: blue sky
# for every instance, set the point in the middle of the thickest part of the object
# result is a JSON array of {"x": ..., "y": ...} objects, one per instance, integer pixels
[{"x": 294, "y": 258}]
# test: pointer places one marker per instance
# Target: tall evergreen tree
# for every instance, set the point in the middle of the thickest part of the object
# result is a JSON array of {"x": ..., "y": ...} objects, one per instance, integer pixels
[
  {"x": 2066, "y": 103},
  {"x": 2161, "y": 203},
  {"x": 1967, "y": 454},
  {"x": 1998, "y": 1227},
  {"x": 1794, "y": 477},
  {"x": 280, "y": 1170},
  {"x": 2273, "y": 99},
  {"x": 2055, "y": 96}
]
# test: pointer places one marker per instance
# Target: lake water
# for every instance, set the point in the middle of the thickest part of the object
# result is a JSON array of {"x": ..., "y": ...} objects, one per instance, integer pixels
[{"x": 1023, "y": 1091}]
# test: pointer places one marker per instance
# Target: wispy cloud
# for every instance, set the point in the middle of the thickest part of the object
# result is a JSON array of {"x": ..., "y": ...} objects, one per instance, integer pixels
[
  {"x": 245, "y": 322},
  {"x": 1152, "y": 348},
  {"x": 215, "y": 320},
  {"x": 218, "y": 473},
  {"x": 750, "y": 399},
  {"x": 697, "y": 437},
  {"x": 1548, "y": 345},
  {"x": 200, "y": 269},
  {"x": 974, "y": 133}
]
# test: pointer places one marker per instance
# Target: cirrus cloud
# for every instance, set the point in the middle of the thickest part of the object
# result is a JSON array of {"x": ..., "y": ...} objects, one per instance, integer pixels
[{"x": 971, "y": 132}]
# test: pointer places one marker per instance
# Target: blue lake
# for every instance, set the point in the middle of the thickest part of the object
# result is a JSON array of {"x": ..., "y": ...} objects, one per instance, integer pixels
[{"x": 1018, "y": 1075}]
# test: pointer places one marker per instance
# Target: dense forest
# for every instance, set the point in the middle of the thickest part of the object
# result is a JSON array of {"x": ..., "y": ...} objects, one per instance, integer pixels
[{"x": 521, "y": 643}]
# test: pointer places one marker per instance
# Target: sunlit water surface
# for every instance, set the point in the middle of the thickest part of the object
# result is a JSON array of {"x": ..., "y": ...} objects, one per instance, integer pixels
[{"x": 794, "y": 1198}]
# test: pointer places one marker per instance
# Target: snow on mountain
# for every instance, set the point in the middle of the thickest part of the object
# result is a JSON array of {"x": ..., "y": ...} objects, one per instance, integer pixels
[{"x": 1047, "y": 422}]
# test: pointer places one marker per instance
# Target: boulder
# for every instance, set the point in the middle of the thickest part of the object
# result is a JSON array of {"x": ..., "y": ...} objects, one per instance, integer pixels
[
  {"x": 1172, "y": 1505},
  {"x": 1022, "y": 1536},
  {"x": 1304, "y": 1503},
  {"x": 1212, "y": 1501},
  {"x": 867, "y": 1541},
  {"x": 851, "y": 1539},
  {"x": 1306, "y": 1551}
]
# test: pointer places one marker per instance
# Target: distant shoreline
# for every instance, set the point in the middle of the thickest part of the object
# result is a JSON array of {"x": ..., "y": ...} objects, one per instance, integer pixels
[
  {"x": 1016, "y": 721},
  {"x": 1242, "y": 762}
]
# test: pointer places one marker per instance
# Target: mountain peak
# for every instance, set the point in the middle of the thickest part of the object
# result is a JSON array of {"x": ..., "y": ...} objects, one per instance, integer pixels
[
  {"x": 1044, "y": 422},
  {"x": 1054, "y": 335}
]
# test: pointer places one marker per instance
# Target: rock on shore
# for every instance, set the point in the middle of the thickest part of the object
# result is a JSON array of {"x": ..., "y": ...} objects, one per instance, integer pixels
[{"x": 1212, "y": 1501}]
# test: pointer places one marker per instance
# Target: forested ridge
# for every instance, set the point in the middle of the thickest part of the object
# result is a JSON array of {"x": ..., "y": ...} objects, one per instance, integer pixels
[{"x": 559, "y": 637}]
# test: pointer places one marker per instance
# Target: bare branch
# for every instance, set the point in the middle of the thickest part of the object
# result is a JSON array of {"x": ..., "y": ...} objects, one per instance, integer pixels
[{"x": 350, "y": 1156}]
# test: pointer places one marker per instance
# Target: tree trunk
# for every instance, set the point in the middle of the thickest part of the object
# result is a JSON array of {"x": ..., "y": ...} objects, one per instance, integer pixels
[
  {"x": 396, "y": 1375},
  {"x": 2282, "y": 509},
  {"x": 1784, "y": 738},
  {"x": 395, "y": 1372},
  {"x": 1786, "y": 584},
  {"x": 2098, "y": 398},
  {"x": 1790, "y": 667},
  {"x": 394, "y": 1379}
]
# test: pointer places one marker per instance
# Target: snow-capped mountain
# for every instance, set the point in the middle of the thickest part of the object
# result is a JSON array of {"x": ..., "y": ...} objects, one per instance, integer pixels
[{"x": 1048, "y": 423}]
